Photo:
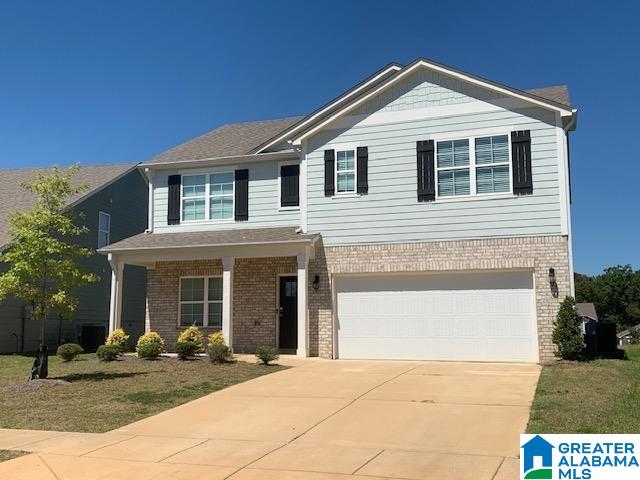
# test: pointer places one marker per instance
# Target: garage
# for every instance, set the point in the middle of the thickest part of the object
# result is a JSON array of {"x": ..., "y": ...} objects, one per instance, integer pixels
[{"x": 467, "y": 316}]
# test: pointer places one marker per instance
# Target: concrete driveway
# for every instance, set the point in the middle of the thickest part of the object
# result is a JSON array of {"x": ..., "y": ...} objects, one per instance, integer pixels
[{"x": 321, "y": 420}]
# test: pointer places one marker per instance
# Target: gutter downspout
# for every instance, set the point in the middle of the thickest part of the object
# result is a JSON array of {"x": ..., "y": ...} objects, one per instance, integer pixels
[
  {"x": 570, "y": 127},
  {"x": 149, "y": 173}
]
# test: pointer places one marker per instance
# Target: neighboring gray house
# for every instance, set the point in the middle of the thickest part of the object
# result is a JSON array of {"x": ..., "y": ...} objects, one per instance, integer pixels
[
  {"x": 625, "y": 337},
  {"x": 587, "y": 313},
  {"x": 114, "y": 208},
  {"x": 423, "y": 214}
]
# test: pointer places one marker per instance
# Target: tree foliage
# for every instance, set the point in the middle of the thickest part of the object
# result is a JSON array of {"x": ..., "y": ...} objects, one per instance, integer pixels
[
  {"x": 567, "y": 331},
  {"x": 42, "y": 257},
  {"x": 615, "y": 294}
]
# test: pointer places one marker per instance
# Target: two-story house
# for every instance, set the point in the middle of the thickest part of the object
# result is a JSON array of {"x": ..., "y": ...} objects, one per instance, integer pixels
[{"x": 423, "y": 214}]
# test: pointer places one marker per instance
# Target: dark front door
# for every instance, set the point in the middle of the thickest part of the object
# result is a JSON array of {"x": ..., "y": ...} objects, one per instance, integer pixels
[{"x": 288, "y": 312}]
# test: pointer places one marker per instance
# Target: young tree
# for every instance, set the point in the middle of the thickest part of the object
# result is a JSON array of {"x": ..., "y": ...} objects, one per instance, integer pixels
[
  {"x": 567, "y": 332},
  {"x": 42, "y": 256}
]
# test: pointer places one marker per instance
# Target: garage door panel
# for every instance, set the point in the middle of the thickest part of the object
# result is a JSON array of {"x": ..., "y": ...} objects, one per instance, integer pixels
[{"x": 414, "y": 317}]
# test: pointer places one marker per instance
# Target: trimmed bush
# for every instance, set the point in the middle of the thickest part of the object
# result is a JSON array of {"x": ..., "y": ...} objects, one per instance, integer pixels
[
  {"x": 567, "y": 331},
  {"x": 193, "y": 335},
  {"x": 149, "y": 350},
  {"x": 218, "y": 353},
  {"x": 108, "y": 353},
  {"x": 119, "y": 339},
  {"x": 151, "y": 337},
  {"x": 267, "y": 354},
  {"x": 187, "y": 349},
  {"x": 69, "y": 351},
  {"x": 216, "y": 337}
]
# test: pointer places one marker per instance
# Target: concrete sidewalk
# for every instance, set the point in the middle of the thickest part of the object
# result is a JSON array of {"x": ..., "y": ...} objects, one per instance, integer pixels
[{"x": 321, "y": 420}]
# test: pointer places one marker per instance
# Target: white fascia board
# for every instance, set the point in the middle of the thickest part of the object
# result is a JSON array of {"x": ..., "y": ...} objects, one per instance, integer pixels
[
  {"x": 339, "y": 100},
  {"x": 215, "y": 161},
  {"x": 423, "y": 64}
]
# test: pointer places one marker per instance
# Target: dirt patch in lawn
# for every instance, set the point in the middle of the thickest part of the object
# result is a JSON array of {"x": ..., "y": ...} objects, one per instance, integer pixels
[{"x": 34, "y": 385}]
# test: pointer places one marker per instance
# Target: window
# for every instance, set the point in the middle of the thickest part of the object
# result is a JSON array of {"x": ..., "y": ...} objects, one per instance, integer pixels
[
  {"x": 289, "y": 186},
  {"x": 201, "y": 301},
  {"x": 346, "y": 171},
  {"x": 207, "y": 197},
  {"x": 104, "y": 227},
  {"x": 492, "y": 164},
  {"x": 474, "y": 166}
]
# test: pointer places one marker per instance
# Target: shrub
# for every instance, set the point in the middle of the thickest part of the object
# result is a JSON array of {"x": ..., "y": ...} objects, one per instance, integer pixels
[
  {"x": 187, "y": 349},
  {"x": 69, "y": 351},
  {"x": 218, "y": 352},
  {"x": 567, "y": 331},
  {"x": 193, "y": 335},
  {"x": 216, "y": 337},
  {"x": 635, "y": 336},
  {"x": 108, "y": 353},
  {"x": 119, "y": 339},
  {"x": 149, "y": 350},
  {"x": 151, "y": 337},
  {"x": 267, "y": 354}
]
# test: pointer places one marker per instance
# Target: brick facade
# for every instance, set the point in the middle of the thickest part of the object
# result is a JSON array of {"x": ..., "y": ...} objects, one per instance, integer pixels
[{"x": 255, "y": 283}]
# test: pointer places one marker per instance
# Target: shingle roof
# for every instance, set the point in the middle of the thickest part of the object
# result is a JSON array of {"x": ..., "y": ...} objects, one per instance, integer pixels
[
  {"x": 14, "y": 198},
  {"x": 215, "y": 238},
  {"x": 226, "y": 141},
  {"x": 587, "y": 310},
  {"x": 558, "y": 94}
]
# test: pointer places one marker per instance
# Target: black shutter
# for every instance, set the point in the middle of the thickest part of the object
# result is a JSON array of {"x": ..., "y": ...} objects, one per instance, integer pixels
[
  {"x": 173, "y": 210},
  {"x": 242, "y": 195},
  {"x": 426, "y": 171},
  {"x": 521, "y": 162},
  {"x": 329, "y": 168},
  {"x": 363, "y": 166},
  {"x": 289, "y": 185}
]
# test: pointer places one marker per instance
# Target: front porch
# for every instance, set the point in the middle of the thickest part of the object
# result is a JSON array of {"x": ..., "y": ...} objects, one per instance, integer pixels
[{"x": 255, "y": 292}]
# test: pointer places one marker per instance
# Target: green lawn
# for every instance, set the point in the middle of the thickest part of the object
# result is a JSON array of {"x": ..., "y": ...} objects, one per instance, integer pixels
[
  {"x": 11, "y": 454},
  {"x": 102, "y": 396},
  {"x": 601, "y": 396}
]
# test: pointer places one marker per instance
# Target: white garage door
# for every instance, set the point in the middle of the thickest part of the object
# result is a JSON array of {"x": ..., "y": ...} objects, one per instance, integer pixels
[{"x": 471, "y": 316}]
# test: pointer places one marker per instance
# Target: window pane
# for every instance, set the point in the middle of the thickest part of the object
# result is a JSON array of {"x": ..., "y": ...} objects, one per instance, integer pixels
[
  {"x": 192, "y": 289},
  {"x": 221, "y": 184},
  {"x": 103, "y": 221},
  {"x": 492, "y": 179},
  {"x": 453, "y": 153},
  {"x": 215, "y": 288},
  {"x": 193, "y": 185},
  {"x": 193, "y": 209},
  {"x": 346, "y": 182},
  {"x": 103, "y": 239},
  {"x": 345, "y": 160},
  {"x": 492, "y": 150},
  {"x": 221, "y": 208},
  {"x": 215, "y": 315},
  {"x": 192, "y": 314},
  {"x": 453, "y": 182}
]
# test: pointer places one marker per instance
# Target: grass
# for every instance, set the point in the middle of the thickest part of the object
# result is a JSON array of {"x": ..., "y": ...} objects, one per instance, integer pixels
[
  {"x": 11, "y": 454},
  {"x": 102, "y": 396},
  {"x": 601, "y": 396}
]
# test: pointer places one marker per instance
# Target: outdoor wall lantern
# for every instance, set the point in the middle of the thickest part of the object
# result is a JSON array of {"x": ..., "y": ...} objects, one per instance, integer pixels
[
  {"x": 552, "y": 282},
  {"x": 316, "y": 282}
]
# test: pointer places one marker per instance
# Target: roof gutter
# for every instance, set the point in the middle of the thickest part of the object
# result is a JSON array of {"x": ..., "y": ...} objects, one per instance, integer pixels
[{"x": 256, "y": 157}]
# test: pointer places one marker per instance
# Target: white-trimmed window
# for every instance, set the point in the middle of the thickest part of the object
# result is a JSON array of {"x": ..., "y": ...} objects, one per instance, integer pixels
[
  {"x": 104, "y": 229},
  {"x": 473, "y": 166},
  {"x": 346, "y": 171},
  {"x": 201, "y": 301},
  {"x": 208, "y": 197}
]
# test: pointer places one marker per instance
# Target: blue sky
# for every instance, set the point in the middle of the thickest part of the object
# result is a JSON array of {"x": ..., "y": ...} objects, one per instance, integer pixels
[{"x": 105, "y": 82}]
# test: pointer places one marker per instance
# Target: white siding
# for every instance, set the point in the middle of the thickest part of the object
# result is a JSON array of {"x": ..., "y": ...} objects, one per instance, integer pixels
[
  {"x": 263, "y": 202},
  {"x": 391, "y": 212}
]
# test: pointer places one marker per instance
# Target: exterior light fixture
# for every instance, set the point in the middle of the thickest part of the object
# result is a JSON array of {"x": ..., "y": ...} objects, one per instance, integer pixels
[
  {"x": 316, "y": 282},
  {"x": 553, "y": 284}
]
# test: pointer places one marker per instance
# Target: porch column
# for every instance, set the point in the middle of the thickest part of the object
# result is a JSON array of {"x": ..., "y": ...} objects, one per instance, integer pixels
[
  {"x": 303, "y": 263},
  {"x": 115, "y": 305},
  {"x": 227, "y": 300}
]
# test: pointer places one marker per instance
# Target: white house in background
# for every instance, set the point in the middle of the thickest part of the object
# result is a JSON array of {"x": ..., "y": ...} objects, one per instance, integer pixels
[{"x": 423, "y": 214}]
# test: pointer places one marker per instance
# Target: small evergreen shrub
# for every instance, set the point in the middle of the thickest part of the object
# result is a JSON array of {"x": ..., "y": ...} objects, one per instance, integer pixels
[
  {"x": 151, "y": 337},
  {"x": 119, "y": 339},
  {"x": 567, "y": 331},
  {"x": 218, "y": 353},
  {"x": 216, "y": 337},
  {"x": 149, "y": 350},
  {"x": 108, "y": 353},
  {"x": 187, "y": 349},
  {"x": 192, "y": 334},
  {"x": 69, "y": 351},
  {"x": 267, "y": 354}
]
